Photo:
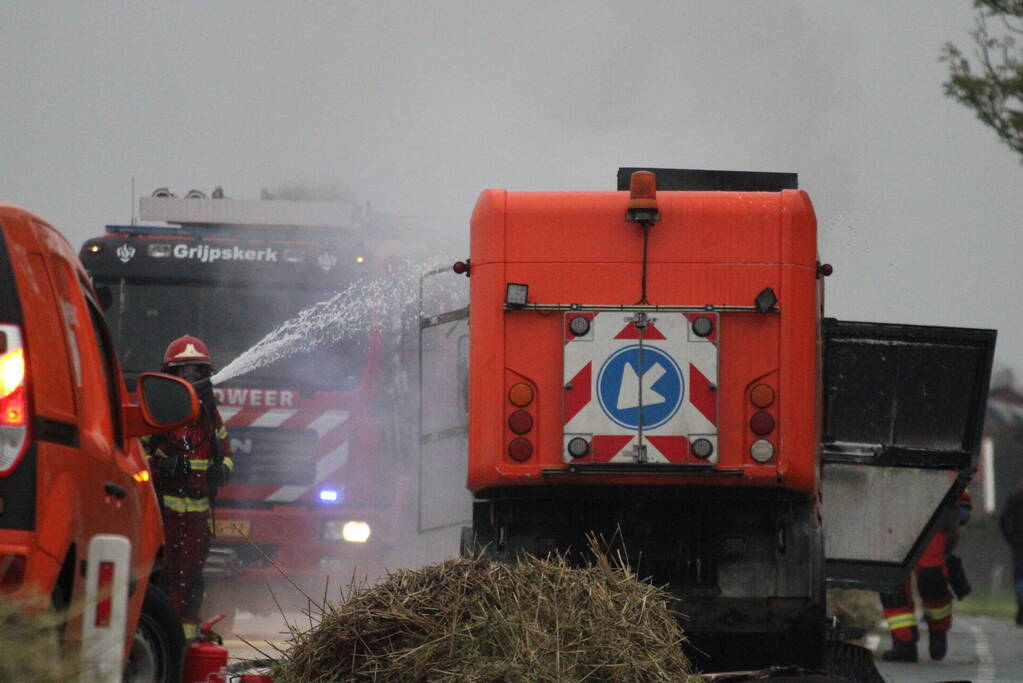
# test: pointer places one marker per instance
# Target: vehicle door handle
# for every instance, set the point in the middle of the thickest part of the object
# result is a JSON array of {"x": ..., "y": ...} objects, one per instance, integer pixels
[{"x": 113, "y": 489}]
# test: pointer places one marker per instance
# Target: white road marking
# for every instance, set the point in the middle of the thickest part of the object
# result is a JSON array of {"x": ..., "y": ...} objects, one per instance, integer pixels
[{"x": 985, "y": 661}]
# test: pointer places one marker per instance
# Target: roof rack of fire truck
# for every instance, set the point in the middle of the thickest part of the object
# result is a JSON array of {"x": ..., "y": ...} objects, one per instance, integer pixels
[
  {"x": 247, "y": 212},
  {"x": 199, "y": 216}
]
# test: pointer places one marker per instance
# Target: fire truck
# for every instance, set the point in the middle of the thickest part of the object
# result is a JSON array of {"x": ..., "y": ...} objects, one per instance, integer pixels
[
  {"x": 653, "y": 366},
  {"x": 319, "y": 485}
]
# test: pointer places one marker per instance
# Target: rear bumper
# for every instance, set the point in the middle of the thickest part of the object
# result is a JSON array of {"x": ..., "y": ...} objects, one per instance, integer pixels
[{"x": 41, "y": 569}]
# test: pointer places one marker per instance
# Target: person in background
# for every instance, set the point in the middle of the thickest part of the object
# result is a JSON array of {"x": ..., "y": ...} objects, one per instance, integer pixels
[
  {"x": 1010, "y": 521},
  {"x": 189, "y": 464},
  {"x": 932, "y": 581}
]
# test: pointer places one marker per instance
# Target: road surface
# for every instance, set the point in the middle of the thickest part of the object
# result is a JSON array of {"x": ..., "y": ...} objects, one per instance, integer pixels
[{"x": 980, "y": 649}]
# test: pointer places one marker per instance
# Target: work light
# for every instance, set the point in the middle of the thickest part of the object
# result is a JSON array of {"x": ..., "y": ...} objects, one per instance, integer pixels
[{"x": 516, "y": 294}]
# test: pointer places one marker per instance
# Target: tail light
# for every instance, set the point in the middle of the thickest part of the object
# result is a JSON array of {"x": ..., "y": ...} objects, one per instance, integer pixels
[
  {"x": 520, "y": 421},
  {"x": 12, "y": 572},
  {"x": 520, "y": 449},
  {"x": 762, "y": 423},
  {"x": 14, "y": 418}
]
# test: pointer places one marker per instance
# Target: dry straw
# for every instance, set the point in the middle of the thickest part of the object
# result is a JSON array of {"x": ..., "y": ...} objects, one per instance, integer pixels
[
  {"x": 30, "y": 646},
  {"x": 471, "y": 619}
]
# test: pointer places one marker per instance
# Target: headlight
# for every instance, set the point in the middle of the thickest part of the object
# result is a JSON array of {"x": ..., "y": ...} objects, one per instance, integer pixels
[
  {"x": 345, "y": 530},
  {"x": 355, "y": 532}
]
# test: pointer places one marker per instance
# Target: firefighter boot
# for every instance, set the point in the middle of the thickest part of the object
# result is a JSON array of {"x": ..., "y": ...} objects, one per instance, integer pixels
[
  {"x": 938, "y": 644},
  {"x": 1019, "y": 616},
  {"x": 902, "y": 651}
]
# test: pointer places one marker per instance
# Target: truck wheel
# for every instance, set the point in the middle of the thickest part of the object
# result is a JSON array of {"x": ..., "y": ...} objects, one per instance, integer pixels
[{"x": 159, "y": 643}]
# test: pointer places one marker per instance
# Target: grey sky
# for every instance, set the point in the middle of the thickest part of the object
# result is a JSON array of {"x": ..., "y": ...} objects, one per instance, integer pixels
[{"x": 418, "y": 106}]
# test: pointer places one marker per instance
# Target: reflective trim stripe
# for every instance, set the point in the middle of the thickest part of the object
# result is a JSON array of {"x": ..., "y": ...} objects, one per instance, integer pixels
[
  {"x": 203, "y": 464},
  {"x": 906, "y": 620},
  {"x": 222, "y": 433},
  {"x": 183, "y": 505},
  {"x": 938, "y": 612}
]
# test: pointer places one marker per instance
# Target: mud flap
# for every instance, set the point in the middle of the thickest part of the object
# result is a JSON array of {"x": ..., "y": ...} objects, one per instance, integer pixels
[{"x": 904, "y": 411}]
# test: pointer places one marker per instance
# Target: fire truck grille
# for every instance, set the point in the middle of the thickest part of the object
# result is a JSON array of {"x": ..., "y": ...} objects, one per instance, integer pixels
[{"x": 275, "y": 457}]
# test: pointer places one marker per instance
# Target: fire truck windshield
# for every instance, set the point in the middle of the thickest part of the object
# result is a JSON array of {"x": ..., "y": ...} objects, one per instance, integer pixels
[{"x": 145, "y": 316}]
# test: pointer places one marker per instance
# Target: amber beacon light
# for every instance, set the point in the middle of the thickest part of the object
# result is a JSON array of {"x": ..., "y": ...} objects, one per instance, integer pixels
[{"x": 643, "y": 198}]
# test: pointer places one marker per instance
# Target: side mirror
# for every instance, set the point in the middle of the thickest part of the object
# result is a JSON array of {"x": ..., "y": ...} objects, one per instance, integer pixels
[{"x": 165, "y": 402}]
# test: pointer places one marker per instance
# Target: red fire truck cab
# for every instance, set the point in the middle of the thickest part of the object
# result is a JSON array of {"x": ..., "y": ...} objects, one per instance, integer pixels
[
  {"x": 653, "y": 366},
  {"x": 317, "y": 487}
]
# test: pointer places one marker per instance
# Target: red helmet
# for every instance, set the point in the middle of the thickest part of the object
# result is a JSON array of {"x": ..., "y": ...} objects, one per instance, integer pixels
[{"x": 187, "y": 350}]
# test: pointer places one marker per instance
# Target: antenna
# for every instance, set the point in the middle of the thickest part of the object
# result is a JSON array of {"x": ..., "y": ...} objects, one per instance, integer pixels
[{"x": 132, "y": 202}]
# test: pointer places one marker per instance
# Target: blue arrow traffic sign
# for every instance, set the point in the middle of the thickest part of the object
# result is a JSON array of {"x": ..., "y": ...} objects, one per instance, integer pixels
[{"x": 627, "y": 387}]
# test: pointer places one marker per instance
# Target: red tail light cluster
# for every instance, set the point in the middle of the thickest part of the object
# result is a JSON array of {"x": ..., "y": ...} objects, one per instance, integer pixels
[
  {"x": 14, "y": 409},
  {"x": 762, "y": 422},
  {"x": 520, "y": 422},
  {"x": 12, "y": 572}
]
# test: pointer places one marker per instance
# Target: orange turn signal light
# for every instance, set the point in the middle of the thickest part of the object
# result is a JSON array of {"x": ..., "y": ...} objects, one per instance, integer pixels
[
  {"x": 762, "y": 396},
  {"x": 520, "y": 394}
]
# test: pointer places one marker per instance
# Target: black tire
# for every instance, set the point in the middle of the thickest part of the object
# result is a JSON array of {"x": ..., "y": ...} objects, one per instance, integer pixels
[
  {"x": 851, "y": 662},
  {"x": 157, "y": 652}
]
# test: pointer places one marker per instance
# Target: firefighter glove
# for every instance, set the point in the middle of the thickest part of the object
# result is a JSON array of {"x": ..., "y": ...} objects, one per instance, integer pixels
[
  {"x": 174, "y": 467},
  {"x": 216, "y": 475},
  {"x": 957, "y": 576}
]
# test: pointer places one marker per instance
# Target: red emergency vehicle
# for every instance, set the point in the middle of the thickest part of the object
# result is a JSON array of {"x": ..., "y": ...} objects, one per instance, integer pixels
[
  {"x": 80, "y": 524},
  {"x": 654, "y": 366},
  {"x": 319, "y": 486}
]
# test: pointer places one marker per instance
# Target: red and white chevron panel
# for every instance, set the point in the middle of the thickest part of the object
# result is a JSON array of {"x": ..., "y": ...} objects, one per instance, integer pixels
[
  {"x": 329, "y": 423},
  {"x": 614, "y": 406}
]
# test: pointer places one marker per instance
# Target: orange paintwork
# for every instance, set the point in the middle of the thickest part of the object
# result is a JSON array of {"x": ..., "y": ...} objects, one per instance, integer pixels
[
  {"x": 718, "y": 248},
  {"x": 68, "y": 384}
]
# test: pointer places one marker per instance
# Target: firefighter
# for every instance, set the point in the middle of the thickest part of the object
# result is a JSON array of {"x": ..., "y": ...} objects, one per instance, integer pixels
[
  {"x": 932, "y": 582},
  {"x": 189, "y": 464}
]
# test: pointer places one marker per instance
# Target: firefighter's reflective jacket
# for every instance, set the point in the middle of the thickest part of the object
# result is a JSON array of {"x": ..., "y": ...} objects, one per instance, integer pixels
[{"x": 190, "y": 463}]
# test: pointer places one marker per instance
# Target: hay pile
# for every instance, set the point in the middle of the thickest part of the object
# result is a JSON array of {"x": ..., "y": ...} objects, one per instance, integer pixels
[
  {"x": 30, "y": 647},
  {"x": 471, "y": 619},
  {"x": 858, "y": 609}
]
